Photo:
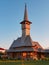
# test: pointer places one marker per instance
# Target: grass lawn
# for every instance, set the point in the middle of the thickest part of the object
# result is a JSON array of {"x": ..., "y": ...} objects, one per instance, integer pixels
[{"x": 24, "y": 62}]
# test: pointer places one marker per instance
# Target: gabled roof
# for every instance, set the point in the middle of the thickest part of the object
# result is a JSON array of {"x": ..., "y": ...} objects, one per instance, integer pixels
[
  {"x": 37, "y": 44},
  {"x": 28, "y": 41},
  {"x": 28, "y": 45},
  {"x": 25, "y": 49},
  {"x": 22, "y": 49},
  {"x": 18, "y": 42}
]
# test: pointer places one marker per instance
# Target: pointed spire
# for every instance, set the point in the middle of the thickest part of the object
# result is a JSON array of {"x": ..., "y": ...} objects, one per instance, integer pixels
[
  {"x": 25, "y": 16},
  {"x": 25, "y": 13}
]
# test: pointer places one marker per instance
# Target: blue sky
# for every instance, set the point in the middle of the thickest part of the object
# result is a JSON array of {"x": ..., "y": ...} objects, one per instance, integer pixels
[{"x": 12, "y": 13}]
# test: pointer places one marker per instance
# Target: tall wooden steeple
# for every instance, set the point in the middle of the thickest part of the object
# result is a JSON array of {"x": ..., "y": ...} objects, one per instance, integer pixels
[{"x": 25, "y": 24}]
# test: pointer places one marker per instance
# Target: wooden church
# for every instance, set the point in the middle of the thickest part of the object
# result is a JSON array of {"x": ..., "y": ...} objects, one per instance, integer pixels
[{"x": 23, "y": 47}]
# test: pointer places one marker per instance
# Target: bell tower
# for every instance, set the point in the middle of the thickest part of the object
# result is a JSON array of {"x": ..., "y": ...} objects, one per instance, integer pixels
[{"x": 25, "y": 24}]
